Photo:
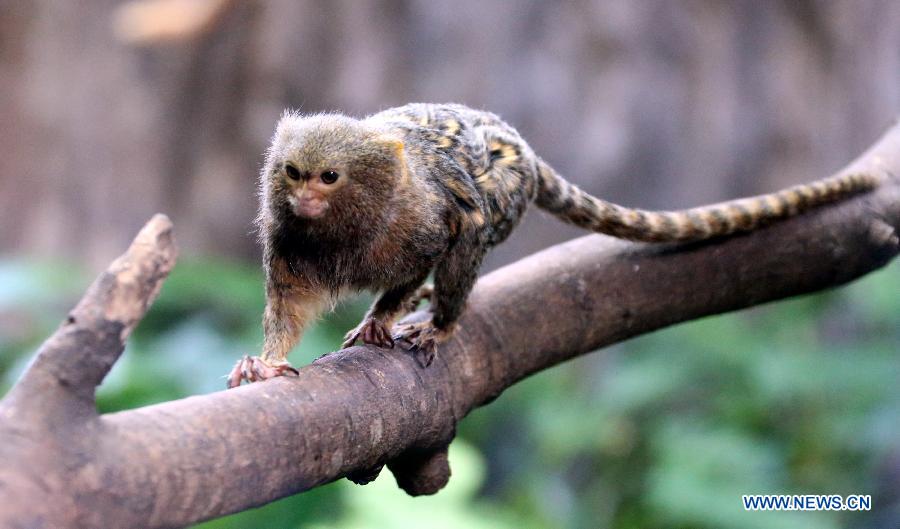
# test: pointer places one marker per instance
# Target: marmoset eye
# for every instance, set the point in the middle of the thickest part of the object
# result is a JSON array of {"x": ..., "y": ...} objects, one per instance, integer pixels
[
  {"x": 292, "y": 172},
  {"x": 329, "y": 177}
]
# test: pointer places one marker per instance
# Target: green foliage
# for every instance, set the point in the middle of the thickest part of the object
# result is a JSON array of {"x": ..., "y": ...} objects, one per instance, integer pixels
[{"x": 664, "y": 431}]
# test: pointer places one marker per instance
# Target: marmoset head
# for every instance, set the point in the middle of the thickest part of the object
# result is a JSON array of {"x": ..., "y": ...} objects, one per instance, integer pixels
[{"x": 329, "y": 167}]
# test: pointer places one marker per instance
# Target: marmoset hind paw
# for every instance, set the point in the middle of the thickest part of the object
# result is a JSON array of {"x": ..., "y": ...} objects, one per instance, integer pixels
[{"x": 423, "y": 338}]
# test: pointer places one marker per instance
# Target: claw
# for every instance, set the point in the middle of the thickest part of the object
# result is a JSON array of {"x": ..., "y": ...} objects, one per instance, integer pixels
[
  {"x": 237, "y": 373},
  {"x": 254, "y": 369},
  {"x": 350, "y": 338},
  {"x": 372, "y": 331},
  {"x": 425, "y": 353},
  {"x": 423, "y": 338}
]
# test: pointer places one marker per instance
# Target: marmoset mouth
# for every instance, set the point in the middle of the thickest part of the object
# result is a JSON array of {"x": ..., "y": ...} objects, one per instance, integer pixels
[
  {"x": 309, "y": 208},
  {"x": 308, "y": 204}
]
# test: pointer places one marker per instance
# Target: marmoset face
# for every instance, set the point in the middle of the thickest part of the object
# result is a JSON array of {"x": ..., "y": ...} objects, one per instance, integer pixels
[
  {"x": 310, "y": 191},
  {"x": 321, "y": 164}
]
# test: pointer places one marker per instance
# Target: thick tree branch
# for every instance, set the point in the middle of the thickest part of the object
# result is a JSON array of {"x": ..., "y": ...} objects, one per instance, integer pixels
[
  {"x": 77, "y": 357},
  {"x": 352, "y": 411}
]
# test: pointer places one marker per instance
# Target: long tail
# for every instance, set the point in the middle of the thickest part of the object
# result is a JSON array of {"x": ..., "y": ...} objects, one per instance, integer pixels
[{"x": 571, "y": 204}]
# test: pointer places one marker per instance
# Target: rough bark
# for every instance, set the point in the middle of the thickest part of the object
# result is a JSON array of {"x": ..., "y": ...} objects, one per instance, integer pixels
[{"x": 350, "y": 412}]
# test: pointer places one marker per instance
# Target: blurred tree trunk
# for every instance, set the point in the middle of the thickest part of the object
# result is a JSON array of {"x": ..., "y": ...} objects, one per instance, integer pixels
[{"x": 654, "y": 103}]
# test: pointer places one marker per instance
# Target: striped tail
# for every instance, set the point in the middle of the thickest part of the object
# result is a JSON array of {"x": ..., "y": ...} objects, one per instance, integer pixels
[{"x": 571, "y": 204}]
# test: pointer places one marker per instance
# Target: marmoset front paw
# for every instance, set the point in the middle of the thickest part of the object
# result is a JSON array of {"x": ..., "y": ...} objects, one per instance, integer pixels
[{"x": 254, "y": 369}]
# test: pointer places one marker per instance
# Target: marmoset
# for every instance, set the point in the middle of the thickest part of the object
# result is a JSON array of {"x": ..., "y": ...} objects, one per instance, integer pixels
[{"x": 380, "y": 203}]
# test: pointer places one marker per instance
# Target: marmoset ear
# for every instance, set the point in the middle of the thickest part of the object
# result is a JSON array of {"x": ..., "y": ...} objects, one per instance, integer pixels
[
  {"x": 397, "y": 148},
  {"x": 393, "y": 144}
]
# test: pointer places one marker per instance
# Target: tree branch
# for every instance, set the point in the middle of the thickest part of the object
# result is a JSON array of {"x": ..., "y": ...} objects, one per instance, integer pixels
[{"x": 352, "y": 411}]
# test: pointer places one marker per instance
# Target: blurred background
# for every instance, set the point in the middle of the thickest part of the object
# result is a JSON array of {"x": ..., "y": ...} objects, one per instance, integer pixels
[{"x": 112, "y": 111}]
